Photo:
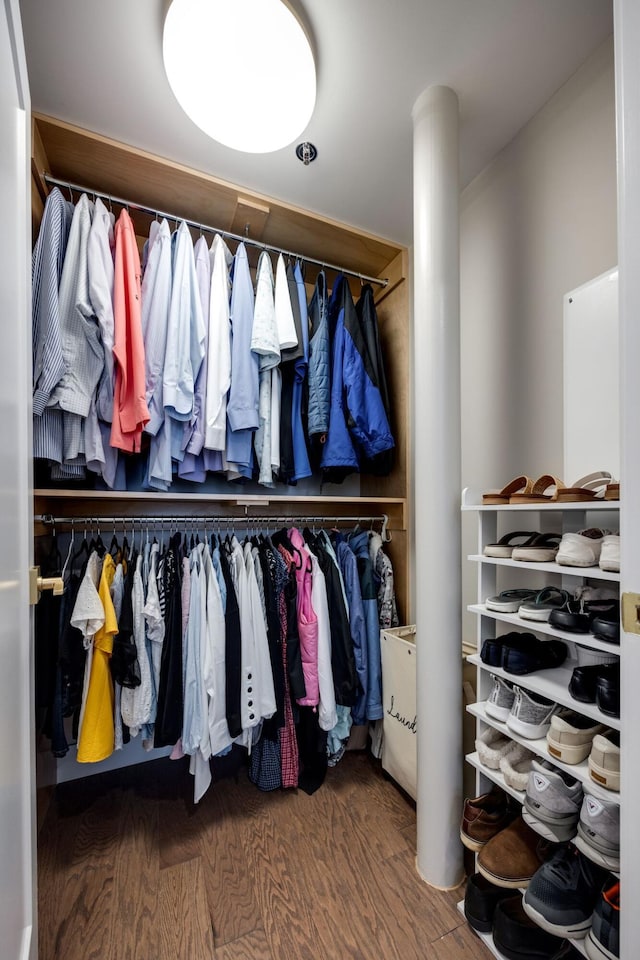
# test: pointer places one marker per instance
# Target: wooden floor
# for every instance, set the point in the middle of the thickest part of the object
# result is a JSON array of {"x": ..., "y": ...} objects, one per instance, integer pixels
[{"x": 130, "y": 870}]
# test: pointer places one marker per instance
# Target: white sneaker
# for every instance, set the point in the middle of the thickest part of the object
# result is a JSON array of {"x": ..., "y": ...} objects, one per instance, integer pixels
[
  {"x": 610, "y": 553},
  {"x": 581, "y": 549}
]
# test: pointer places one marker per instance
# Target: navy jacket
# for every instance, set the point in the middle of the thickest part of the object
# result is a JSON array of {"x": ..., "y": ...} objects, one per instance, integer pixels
[{"x": 359, "y": 429}]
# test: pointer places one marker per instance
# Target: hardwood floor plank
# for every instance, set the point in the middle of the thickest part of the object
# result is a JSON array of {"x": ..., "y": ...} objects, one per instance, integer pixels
[
  {"x": 185, "y": 924},
  {"x": 137, "y": 878},
  {"x": 460, "y": 944},
  {"x": 231, "y": 894},
  {"x": 284, "y": 909},
  {"x": 251, "y": 946},
  {"x": 425, "y": 914}
]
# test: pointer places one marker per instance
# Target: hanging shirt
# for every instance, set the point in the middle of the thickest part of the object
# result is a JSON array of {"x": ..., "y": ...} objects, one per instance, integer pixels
[
  {"x": 81, "y": 345},
  {"x": 287, "y": 334},
  {"x": 100, "y": 256},
  {"x": 192, "y": 465},
  {"x": 217, "y": 718},
  {"x": 136, "y": 701},
  {"x": 242, "y": 405},
  {"x": 327, "y": 715},
  {"x": 156, "y": 297},
  {"x": 302, "y": 467},
  {"x": 265, "y": 343},
  {"x": 96, "y": 739},
  {"x": 130, "y": 412},
  {"x": 48, "y": 361},
  {"x": 218, "y": 348},
  {"x": 185, "y": 338}
]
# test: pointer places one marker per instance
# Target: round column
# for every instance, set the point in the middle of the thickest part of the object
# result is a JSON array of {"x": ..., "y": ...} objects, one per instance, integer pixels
[{"x": 436, "y": 442}]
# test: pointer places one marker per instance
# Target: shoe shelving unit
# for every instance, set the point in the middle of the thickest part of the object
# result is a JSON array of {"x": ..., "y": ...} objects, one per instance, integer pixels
[{"x": 494, "y": 575}]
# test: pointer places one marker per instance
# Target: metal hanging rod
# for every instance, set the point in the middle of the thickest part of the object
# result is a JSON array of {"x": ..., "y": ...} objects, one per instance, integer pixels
[
  {"x": 203, "y": 521},
  {"x": 120, "y": 201}
]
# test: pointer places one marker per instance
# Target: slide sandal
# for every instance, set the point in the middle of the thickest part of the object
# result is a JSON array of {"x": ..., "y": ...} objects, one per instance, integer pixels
[
  {"x": 510, "y": 601},
  {"x": 518, "y": 484},
  {"x": 540, "y": 548},
  {"x": 551, "y": 598},
  {"x": 545, "y": 489},
  {"x": 591, "y": 487},
  {"x": 505, "y": 546}
]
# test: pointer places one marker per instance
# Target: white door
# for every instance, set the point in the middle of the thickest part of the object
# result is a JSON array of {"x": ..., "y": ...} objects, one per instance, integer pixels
[
  {"x": 627, "y": 44},
  {"x": 18, "y": 938}
]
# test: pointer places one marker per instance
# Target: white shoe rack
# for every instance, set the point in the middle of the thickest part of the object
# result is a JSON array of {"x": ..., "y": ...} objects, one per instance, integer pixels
[{"x": 495, "y": 575}]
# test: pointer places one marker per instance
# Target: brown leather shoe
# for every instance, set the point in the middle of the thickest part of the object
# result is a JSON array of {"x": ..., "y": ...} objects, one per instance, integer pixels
[
  {"x": 483, "y": 818},
  {"x": 512, "y": 857}
]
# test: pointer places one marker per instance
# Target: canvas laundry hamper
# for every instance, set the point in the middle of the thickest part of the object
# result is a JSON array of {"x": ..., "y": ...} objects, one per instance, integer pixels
[{"x": 399, "y": 751}]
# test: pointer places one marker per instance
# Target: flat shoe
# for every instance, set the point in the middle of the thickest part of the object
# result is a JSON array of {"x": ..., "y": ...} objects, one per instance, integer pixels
[
  {"x": 540, "y": 548},
  {"x": 540, "y": 608},
  {"x": 505, "y": 546},
  {"x": 539, "y": 492},
  {"x": 509, "y": 601},
  {"x": 591, "y": 487},
  {"x": 518, "y": 484}
]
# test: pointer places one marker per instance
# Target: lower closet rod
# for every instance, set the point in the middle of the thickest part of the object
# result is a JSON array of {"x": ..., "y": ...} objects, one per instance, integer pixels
[
  {"x": 120, "y": 201},
  {"x": 189, "y": 520}
]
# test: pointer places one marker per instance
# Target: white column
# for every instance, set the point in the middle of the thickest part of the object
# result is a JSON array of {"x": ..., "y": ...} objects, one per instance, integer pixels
[{"x": 436, "y": 379}]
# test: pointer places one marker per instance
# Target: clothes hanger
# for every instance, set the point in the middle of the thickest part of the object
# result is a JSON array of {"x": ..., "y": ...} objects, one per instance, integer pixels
[{"x": 70, "y": 550}]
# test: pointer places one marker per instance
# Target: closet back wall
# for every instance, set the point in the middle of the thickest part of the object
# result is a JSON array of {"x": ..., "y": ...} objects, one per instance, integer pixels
[{"x": 537, "y": 222}]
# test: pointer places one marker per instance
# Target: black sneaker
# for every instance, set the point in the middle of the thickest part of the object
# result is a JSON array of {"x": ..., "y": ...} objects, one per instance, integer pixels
[
  {"x": 603, "y": 939},
  {"x": 480, "y": 901},
  {"x": 563, "y": 893},
  {"x": 517, "y": 937}
]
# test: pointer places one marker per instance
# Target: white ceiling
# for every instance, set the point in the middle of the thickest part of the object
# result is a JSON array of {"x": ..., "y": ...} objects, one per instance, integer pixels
[{"x": 99, "y": 64}]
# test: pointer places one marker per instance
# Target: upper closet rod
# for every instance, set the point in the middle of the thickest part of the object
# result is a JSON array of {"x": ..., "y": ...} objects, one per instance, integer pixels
[{"x": 202, "y": 226}]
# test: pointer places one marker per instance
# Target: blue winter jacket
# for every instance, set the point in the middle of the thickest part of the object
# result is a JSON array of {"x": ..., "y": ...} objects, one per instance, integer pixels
[{"x": 358, "y": 424}]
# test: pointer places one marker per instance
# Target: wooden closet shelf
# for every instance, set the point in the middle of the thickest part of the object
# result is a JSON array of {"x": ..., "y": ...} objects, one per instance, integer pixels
[{"x": 81, "y": 503}]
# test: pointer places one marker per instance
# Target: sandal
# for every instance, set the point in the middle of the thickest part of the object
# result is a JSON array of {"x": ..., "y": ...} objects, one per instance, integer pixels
[
  {"x": 540, "y": 548},
  {"x": 591, "y": 487},
  {"x": 551, "y": 598},
  {"x": 518, "y": 484},
  {"x": 504, "y": 547},
  {"x": 539, "y": 492},
  {"x": 509, "y": 601}
]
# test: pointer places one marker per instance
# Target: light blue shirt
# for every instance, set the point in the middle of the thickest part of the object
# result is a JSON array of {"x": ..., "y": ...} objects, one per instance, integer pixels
[{"x": 242, "y": 405}]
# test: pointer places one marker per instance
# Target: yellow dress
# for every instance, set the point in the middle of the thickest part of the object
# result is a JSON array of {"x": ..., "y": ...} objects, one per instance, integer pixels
[{"x": 96, "y": 739}]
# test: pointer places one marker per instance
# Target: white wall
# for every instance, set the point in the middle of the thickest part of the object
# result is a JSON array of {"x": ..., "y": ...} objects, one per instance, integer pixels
[{"x": 537, "y": 222}]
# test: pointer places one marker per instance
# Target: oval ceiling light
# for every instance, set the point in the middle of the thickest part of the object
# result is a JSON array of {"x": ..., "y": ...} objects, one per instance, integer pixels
[{"x": 242, "y": 70}]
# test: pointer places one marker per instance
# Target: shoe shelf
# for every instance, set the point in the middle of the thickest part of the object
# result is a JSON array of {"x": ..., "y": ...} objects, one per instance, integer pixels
[
  {"x": 496, "y": 776},
  {"x": 541, "y": 626},
  {"x": 592, "y": 573},
  {"x": 472, "y": 501},
  {"x": 579, "y": 771},
  {"x": 552, "y": 684}
]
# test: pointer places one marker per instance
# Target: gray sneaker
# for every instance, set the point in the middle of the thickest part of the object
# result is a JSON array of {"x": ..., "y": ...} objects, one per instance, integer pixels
[
  {"x": 599, "y": 831},
  {"x": 500, "y": 699},
  {"x": 530, "y": 714},
  {"x": 552, "y": 802}
]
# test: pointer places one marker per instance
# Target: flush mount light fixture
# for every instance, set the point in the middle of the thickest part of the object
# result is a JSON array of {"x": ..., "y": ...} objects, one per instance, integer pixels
[{"x": 242, "y": 70}]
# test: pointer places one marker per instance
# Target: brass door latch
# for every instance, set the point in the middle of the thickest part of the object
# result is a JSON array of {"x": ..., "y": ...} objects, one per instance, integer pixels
[
  {"x": 37, "y": 584},
  {"x": 631, "y": 612}
]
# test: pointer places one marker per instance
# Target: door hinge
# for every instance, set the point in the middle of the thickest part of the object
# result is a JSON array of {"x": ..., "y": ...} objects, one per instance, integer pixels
[
  {"x": 37, "y": 584},
  {"x": 631, "y": 612}
]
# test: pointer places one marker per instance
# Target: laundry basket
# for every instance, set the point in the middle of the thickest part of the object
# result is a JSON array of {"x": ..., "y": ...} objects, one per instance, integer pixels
[{"x": 399, "y": 752}]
